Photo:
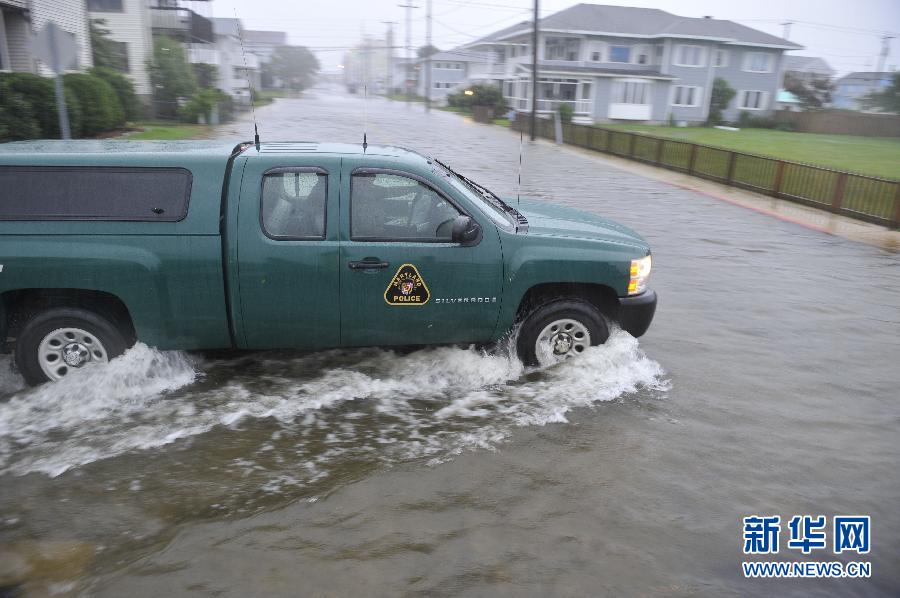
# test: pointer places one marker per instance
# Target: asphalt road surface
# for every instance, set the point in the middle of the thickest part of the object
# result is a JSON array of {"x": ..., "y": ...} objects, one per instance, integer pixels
[{"x": 768, "y": 385}]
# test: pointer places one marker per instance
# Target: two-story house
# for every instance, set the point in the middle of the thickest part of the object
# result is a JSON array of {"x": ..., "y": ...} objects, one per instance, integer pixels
[
  {"x": 21, "y": 19},
  {"x": 616, "y": 63},
  {"x": 452, "y": 69}
]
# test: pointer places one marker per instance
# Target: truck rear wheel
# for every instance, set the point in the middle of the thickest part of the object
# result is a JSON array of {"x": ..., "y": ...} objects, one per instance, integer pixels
[
  {"x": 54, "y": 343},
  {"x": 559, "y": 330}
]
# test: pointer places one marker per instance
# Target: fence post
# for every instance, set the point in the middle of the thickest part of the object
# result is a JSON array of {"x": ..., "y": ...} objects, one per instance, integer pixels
[
  {"x": 732, "y": 160},
  {"x": 692, "y": 158},
  {"x": 896, "y": 222},
  {"x": 608, "y": 136},
  {"x": 631, "y": 146},
  {"x": 659, "y": 151},
  {"x": 779, "y": 177},
  {"x": 838, "y": 198}
]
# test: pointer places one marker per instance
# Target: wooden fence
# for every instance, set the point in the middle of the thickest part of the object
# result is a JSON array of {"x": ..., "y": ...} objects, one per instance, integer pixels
[
  {"x": 859, "y": 196},
  {"x": 841, "y": 122}
]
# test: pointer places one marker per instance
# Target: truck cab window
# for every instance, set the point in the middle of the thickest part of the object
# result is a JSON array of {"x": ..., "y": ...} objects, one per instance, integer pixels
[
  {"x": 293, "y": 205},
  {"x": 391, "y": 207}
]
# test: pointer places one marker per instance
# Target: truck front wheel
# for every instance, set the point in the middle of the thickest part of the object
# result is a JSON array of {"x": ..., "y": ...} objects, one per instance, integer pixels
[
  {"x": 559, "y": 330},
  {"x": 56, "y": 342}
]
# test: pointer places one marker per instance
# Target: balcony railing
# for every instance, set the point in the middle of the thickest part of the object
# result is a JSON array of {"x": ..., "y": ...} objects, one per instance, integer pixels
[
  {"x": 182, "y": 24},
  {"x": 544, "y": 105}
]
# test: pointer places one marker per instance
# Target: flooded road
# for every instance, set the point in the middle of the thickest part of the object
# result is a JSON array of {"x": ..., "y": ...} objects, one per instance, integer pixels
[{"x": 768, "y": 384}]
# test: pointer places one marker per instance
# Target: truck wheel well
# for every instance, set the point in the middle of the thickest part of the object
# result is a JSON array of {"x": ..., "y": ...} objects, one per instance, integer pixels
[
  {"x": 22, "y": 304},
  {"x": 600, "y": 296}
]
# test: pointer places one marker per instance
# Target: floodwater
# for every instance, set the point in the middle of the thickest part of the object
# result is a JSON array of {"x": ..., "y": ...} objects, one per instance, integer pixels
[{"x": 768, "y": 384}]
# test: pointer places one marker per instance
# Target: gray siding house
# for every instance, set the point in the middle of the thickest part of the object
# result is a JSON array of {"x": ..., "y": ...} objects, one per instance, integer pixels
[
  {"x": 450, "y": 70},
  {"x": 851, "y": 89},
  {"x": 615, "y": 63}
]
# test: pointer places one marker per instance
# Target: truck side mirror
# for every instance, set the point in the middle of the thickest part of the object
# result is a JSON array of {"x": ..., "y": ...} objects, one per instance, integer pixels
[{"x": 465, "y": 231}]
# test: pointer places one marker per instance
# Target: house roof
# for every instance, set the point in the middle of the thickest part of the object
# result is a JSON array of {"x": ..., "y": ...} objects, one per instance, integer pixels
[
  {"x": 497, "y": 35},
  {"x": 226, "y": 26},
  {"x": 276, "y": 38},
  {"x": 868, "y": 76},
  {"x": 459, "y": 56},
  {"x": 647, "y": 22},
  {"x": 806, "y": 64}
]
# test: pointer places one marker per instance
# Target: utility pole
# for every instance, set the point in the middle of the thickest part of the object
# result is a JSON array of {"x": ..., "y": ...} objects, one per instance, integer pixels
[
  {"x": 885, "y": 50},
  {"x": 408, "y": 8},
  {"x": 786, "y": 32},
  {"x": 390, "y": 56},
  {"x": 534, "y": 70},
  {"x": 428, "y": 56}
]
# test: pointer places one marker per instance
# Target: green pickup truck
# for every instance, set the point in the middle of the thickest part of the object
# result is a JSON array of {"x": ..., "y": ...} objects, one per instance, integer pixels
[{"x": 199, "y": 245}]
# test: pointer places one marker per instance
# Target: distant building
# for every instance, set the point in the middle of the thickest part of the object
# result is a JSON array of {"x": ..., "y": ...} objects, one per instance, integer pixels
[
  {"x": 263, "y": 43},
  {"x": 368, "y": 64},
  {"x": 130, "y": 27},
  {"x": 236, "y": 71},
  {"x": 851, "y": 89},
  {"x": 456, "y": 68},
  {"x": 617, "y": 63},
  {"x": 788, "y": 101},
  {"x": 807, "y": 68},
  {"x": 19, "y": 19}
]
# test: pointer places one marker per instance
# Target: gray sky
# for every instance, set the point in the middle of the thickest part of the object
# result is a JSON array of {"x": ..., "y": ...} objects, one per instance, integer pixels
[{"x": 844, "y": 32}]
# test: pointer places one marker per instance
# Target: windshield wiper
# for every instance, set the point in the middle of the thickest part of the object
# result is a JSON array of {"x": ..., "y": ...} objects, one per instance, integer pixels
[{"x": 487, "y": 194}]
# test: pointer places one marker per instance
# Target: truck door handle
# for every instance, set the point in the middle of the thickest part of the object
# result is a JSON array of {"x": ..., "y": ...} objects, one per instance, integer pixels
[{"x": 370, "y": 263}]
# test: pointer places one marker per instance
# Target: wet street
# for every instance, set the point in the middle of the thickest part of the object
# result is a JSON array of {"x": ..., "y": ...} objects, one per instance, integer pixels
[{"x": 767, "y": 385}]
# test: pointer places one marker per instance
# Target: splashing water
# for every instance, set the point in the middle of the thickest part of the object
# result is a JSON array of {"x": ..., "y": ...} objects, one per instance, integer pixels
[{"x": 366, "y": 403}]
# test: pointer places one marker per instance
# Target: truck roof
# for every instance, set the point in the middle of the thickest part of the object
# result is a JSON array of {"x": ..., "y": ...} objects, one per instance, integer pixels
[{"x": 187, "y": 150}]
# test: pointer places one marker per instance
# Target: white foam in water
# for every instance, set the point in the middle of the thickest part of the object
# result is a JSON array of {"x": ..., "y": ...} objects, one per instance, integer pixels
[{"x": 433, "y": 402}]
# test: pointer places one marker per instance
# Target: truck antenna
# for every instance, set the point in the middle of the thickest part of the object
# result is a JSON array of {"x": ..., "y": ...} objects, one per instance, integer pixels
[
  {"x": 519, "y": 187},
  {"x": 365, "y": 115},
  {"x": 237, "y": 24}
]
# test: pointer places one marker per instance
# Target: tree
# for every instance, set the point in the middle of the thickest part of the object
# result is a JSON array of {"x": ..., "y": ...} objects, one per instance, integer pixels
[
  {"x": 886, "y": 100},
  {"x": 171, "y": 75},
  {"x": 812, "y": 94},
  {"x": 426, "y": 51},
  {"x": 295, "y": 66},
  {"x": 722, "y": 94},
  {"x": 106, "y": 52}
]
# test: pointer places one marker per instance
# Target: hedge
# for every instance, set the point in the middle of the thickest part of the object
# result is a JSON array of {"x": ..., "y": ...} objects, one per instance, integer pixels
[
  {"x": 100, "y": 106},
  {"x": 39, "y": 95},
  {"x": 124, "y": 89}
]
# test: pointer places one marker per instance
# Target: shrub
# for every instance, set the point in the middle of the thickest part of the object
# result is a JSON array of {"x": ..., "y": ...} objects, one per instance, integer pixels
[
  {"x": 17, "y": 120},
  {"x": 40, "y": 93},
  {"x": 482, "y": 95},
  {"x": 748, "y": 121},
  {"x": 202, "y": 104},
  {"x": 100, "y": 106},
  {"x": 565, "y": 113},
  {"x": 124, "y": 89},
  {"x": 721, "y": 96}
]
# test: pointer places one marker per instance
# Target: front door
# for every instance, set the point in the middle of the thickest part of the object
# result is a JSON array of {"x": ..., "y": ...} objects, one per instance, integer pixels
[
  {"x": 403, "y": 281},
  {"x": 288, "y": 252}
]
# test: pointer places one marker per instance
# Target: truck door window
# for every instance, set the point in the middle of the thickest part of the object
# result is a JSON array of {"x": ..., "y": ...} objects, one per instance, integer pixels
[
  {"x": 393, "y": 207},
  {"x": 293, "y": 204}
]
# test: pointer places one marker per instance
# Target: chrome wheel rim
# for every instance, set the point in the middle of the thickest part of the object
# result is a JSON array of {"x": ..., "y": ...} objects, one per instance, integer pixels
[
  {"x": 66, "y": 349},
  {"x": 560, "y": 340}
]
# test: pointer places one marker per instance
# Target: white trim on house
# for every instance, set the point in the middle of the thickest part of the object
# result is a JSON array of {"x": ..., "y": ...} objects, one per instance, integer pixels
[
  {"x": 724, "y": 54},
  {"x": 748, "y": 62},
  {"x": 695, "y": 95},
  {"x": 701, "y": 56},
  {"x": 762, "y": 102},
  {"x": 723, "y": 40}
]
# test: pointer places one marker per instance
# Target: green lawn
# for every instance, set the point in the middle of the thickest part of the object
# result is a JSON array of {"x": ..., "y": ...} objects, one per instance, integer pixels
[
  {"x": 169, "y": 131},
  {"x": 878, "y": 156}
]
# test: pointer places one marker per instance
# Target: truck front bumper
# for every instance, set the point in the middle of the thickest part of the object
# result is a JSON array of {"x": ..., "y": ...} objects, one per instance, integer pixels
[{"x": 636, "y": 313}]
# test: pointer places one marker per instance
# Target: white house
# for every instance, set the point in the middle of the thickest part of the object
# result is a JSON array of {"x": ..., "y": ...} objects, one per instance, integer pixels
[
  {"x": 20, "y": 19},
  {"x": 237, "y": 70},
  {"x": 129, "y": 26}
]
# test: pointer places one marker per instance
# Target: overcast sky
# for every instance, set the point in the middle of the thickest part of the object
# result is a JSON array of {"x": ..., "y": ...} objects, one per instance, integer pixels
[{"x": 847, "y": 33}]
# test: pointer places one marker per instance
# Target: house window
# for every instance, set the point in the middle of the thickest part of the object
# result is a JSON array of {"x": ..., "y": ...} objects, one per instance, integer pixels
[
  {"x": 631, "y": 92},
  {"x": 619, "y": 54},
  {"x": 689, "y": 55},
  {"x": 561, "y": 48},
  {"x": 753, "y": 100},
  {"x": 721, "y": 58},
  {"x": 642, "y": 54},
  {"x": 120, "y": 49},
  {"x": 758, "y": 62},
  {"x": 686, "y": 95},
  {"x": 585, "y": 91},
  {"x": 104, "y": 5}
]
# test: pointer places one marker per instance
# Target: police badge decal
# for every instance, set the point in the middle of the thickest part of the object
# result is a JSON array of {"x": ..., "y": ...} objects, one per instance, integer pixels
[{"x": 407, "y": 287}]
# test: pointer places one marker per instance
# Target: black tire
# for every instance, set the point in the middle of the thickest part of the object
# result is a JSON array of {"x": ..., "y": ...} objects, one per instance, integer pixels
[
  {"x": 542, "y": 316},
  {"x": 113, "y": 339}
]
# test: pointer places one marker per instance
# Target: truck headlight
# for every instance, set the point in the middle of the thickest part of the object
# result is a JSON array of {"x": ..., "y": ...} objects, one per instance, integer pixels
[{"x": 640, "y": 274}]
